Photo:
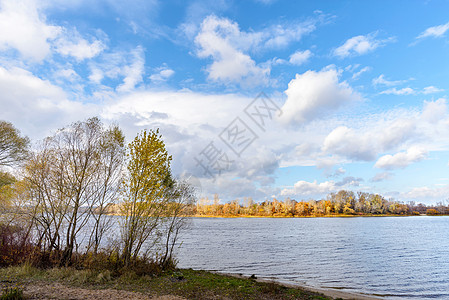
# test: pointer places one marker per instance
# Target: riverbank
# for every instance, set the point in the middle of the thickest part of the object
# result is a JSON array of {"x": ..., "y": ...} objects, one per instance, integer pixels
[
  {"x": 328, "y": 292},
  {"x": 68, "y": 283}
]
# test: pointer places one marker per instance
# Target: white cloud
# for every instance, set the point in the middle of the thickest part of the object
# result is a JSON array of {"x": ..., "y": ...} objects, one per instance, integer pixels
[
  {"x": 266, "y": 2},
  {"x": 23, "y": 29},
  {"x": 381, "y": 177},
  {"x": 304, "y": 188},
  {"x": 279, "y": 36},
  {"x": 96, "y": 75},
  {"x": 67, "y": 74},
  {"x": 36, "y": 106},
  {"x": 402, "y": 159},
  {"x": 163, "y": 73},
  {"x": 435, "y": 31},
  {"x": 427, "y": 194},
  {"x": 396, "y": 132},
  {"x": 300, "y": 57},
  {"x": 134, "y": 72},
  {"x": 223, "y": 41},
  {"x": 229, "y": 47},
  {"x": 382, "y": 81},
  {"x": 312, "y": 94},
  {"x": 376, "y": 136},
  {"x": 434, "y": 111},
  {"x": 410, "y": 91},
  {"x": 403, "y": 91},
  {"x": 431, "y": 90},
  {"x": 363, "y": 70},
  {"x": 189, "y": 121},
  {"x": 126, "y": 67},
  {"x": 72, "y": 44},
  {"x": 347, "y": 142},
  {"x": 359, "y": 45}
]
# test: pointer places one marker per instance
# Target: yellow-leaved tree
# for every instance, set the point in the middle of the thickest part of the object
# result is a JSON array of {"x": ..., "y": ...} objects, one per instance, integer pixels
[{"x": 145, "y": 194}]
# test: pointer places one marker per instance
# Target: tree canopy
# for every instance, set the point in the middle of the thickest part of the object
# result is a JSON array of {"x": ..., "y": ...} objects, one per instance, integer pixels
[{"x": 13, "y": 146}]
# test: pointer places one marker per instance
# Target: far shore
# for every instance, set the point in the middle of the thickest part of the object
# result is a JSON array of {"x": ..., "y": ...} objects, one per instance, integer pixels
[
  {"x": 322, "y": 216},
  {"x": 291, "y": 217}
]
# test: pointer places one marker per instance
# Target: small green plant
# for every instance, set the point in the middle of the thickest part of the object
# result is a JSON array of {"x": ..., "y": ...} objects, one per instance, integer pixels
[{"x": 14, "y": 293}]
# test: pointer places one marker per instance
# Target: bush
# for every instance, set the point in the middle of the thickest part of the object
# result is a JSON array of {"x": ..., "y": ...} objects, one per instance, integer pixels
[
  {"x": 16, "y": 248},
  {"x": 432, "y": 212},
  {"x": 15, "y": 245}
]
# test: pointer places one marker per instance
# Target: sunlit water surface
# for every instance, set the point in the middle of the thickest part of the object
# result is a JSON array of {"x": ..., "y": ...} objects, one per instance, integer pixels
[{"x": 396, "y": 257}]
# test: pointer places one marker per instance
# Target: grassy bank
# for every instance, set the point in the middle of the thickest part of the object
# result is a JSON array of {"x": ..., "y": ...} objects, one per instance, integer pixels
[{"x": 186, "y": 283}]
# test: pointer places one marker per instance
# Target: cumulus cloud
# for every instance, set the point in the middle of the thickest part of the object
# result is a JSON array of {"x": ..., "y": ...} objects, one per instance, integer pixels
[
  {"x": 36, "y": 106},
  {"x": 230, "y": 47},
  {"x": 300, "y": 57},
  {"x": 72, "y": 44},
  {"x": 190, "y": 121},
  {"x": 435, "y": 31},
  {"x": 427, "y": 194},
  {"x": 162, "y": 74},
  {"x": 126, "y": 68},
  {"x": 347, "y": 142},
  {"x": 364, "y": 144},
  {"x": 223, "y": 41},
  {"x": 434, "y": 111},
  {"x": 312, "y": 94},
  {"x": 309, "y": 188},
  {"x": 389, "y": 132},
  {"x": 396, "y": 132},
  {"x": 402, "y": 159},
  {"x": 381, "y": 176},
  {"x": 359, "y": 45},
  {"x": 349, "y": 181},
  {"x": 23, "y": 29}
]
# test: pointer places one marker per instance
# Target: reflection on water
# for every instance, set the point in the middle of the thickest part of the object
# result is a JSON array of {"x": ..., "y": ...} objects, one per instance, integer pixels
[{"x": 399, "y": 257}]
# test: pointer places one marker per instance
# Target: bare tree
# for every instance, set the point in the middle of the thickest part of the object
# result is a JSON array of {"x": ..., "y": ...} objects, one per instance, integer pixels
[
  {"x": 74, "y": 174},
  {"x": 112, "y": 148},
  {"x": 179, "y": 207}
]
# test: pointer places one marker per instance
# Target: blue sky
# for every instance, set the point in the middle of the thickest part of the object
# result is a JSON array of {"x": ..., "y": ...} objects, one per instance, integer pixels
[{"x": 354, "y": 92}]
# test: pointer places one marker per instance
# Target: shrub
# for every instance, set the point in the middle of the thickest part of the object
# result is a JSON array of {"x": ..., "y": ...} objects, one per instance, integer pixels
[
  {"x": 432, "y": 212},
  {"x": 15, "y": 245}
]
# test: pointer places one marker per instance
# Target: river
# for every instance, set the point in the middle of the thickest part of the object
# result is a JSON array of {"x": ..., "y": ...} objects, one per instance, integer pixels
[{"x": 393, "y": 257}]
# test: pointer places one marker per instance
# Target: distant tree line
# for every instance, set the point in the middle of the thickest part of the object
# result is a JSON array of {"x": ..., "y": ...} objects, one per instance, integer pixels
[{"x": 340, "y": 203}]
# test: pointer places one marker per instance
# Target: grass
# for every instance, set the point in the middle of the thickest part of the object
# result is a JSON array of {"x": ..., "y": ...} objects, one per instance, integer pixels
[
  {"x": 14, "y": 293},
  {"x": 187, "y": 283}
]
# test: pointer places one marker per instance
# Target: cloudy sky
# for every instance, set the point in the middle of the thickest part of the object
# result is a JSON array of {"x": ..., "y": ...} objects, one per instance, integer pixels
[{"x": 253, "y": 98}]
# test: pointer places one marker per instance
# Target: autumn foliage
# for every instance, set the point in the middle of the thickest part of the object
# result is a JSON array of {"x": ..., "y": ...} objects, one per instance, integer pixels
[{"x": 335, "y": 204}]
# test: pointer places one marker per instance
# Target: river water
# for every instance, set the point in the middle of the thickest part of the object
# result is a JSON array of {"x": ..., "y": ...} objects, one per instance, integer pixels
[{"x": 393, "y": 257}]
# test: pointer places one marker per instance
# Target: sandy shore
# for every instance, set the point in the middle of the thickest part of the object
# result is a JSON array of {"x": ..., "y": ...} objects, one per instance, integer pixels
[
  {"x": 334, "y": 293},
  {"x": 63, "y": 292},
  {"x": 55, "y": 290}
]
